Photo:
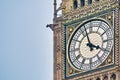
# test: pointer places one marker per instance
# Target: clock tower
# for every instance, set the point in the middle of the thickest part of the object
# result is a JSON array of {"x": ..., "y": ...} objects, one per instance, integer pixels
[{"x": 86, "y": 40}]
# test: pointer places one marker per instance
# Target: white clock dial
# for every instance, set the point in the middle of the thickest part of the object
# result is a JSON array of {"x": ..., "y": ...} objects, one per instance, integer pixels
[{"x": 90, "y": 44}]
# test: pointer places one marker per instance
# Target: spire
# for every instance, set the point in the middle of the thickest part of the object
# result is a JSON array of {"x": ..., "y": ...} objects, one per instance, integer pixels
[{"x": 55, "y": 8}]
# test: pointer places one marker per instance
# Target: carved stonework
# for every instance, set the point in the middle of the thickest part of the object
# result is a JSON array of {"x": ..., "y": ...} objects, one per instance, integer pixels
[
  {"x": 89, "y": 10},
  {"x": 58, "y": 66},
  {"x": 64, "y": 27},
  {"x": 58, "y": 54}
]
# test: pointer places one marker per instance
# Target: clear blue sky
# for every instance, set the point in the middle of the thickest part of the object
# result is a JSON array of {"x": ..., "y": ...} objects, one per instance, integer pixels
[{"x": 26, "y": 45}]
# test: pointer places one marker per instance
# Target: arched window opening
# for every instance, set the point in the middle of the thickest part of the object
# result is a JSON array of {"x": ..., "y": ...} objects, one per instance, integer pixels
[
  {"x": 98, "y": 78},
  {"x": 58, "y": 3},
  {"x": 105, "y": 77},
  {"x": 113, "y": 77},
  {"x": 75, "y": 4},
  {"x": 59, "y": 13},
  {"x": 82, "y": 2},
  {"x": 97, "y": 0},
  {"x": 89, "y": 1}
]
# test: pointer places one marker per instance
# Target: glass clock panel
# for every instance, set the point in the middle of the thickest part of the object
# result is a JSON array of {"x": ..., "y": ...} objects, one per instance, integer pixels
[{"x": 90, "y": 44}]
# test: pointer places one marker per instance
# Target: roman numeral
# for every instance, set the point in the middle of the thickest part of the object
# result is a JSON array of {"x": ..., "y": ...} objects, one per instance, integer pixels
[
  {"x": 90, "y": 62},
  {"x": 99, "y": 58},
  {"x": 76, "y": 58},
  {"x": 77, "y": 49},
  {"x": 103, "y": 49},
  {"x": 107, "y": 40},
  {"x": 76, "y": 40},
  {"x": 83, "y": 61},
  {"x": 90, "y": 27},
  {"x": 100, "y": 23},
  {"x": 104, "y": 32},
  {"x": 83, "y": 30}
]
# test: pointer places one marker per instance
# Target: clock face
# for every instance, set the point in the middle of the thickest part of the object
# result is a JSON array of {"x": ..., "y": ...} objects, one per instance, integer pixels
[{"x": 90, "y": 44}]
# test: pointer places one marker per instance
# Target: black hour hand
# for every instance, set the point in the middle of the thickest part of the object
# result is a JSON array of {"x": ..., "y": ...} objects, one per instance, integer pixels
[
  {"x": 97, "y": 47},
  {"x": 92, "y": 46}
]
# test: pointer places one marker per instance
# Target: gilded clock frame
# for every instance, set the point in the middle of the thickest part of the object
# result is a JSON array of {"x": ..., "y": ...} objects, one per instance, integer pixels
[
  {"x": 78, "y": 23},
  {"x": 78, "y": 26}
]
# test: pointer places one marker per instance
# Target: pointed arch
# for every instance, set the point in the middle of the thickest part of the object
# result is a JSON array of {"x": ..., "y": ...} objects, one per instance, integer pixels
[
  {"x": 105, "y": 77},
  {"x": 98, "y": 78},
  {"x": 97, "y": 0},
  {"x": 75, "y": 4},
  {"x": 82, "y": 2},
  {"x": 89, "y": 1},
  {"x": 113, "y": 77}
]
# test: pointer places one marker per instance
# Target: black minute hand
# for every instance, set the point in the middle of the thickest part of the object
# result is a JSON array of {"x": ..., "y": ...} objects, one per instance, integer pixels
[
  {"x": 89, "y": 43},
  {"x": 87, "y": 35}
]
